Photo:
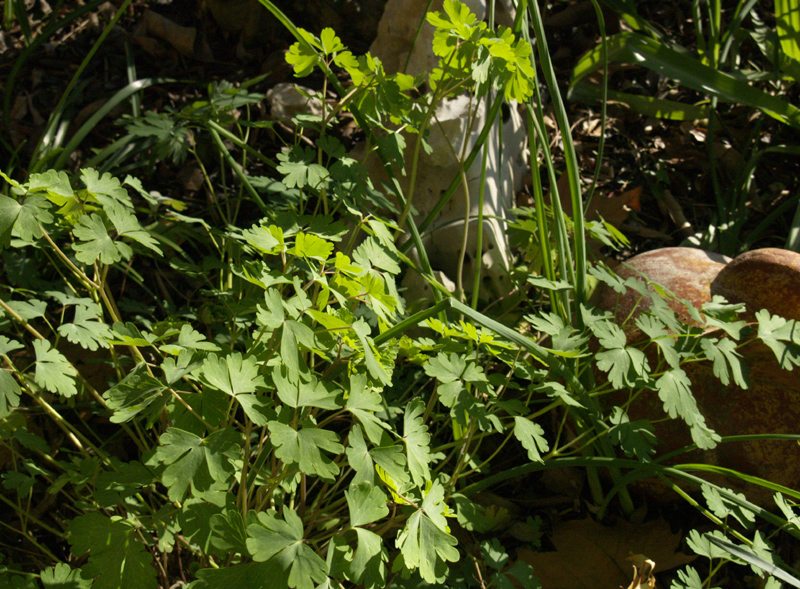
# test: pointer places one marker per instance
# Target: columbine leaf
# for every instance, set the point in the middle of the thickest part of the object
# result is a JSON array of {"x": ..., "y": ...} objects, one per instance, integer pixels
[
  {"x": 53, "y": 371},
  {"x": 30, "y": 215},
  {"x": 366, "y": 503},
  {"x": 96, "y": 244},
  {"x": 30, "y": 309},
  {"x": 233, "y": 374},
  {"x": 229, "y": 532},
  {"x": 299, "y": 168},
  {"x": 107, "y": 189},
  {"x": 252, "y": 575},
  {"x": 636, "y": 438},
  {"x": 688, "y": 579},
  {"x": 531, "y": 436},
  {"x": 295, "y": 333},
  {"x": 302, "y": 56},
  {"x": 305, "y": 447},
  {"x": 127, "y": 225},
  {"x": 361, "y": 329},
  {"x": 9, "y": 393},
  {"x": 330, "y": 42},
  {"x": 701, "y": 545},
  {"x": 373, "y": 254},
  {"x": 135, "y": 394},
  {"x": 657, "y": 331},
  {"x": 280, "y": 540},
  {"x": 417, "y": 439},
  {"x": 117, "y": 558},
  {"x": 61, "y": 576},
  {"x": 425, "y": 542},
  {"x": 721, "y": 353},
  {"x": 114, "y": 486},
  {"x": 199, "y": 462},
  {"x": 610, "y": 335},
  {"x": 673, "y": 389},
  {"x": 623, "y": 365},
  {"x": 86, "y": 329},
  {"x": 307, "y": 245},
  {"x": 368, "y": 566},
  {"x": 303, "y": 394},
  {"x": 191, "y": 339},
  {"x": 365, "y": 461},
  {"x": 723, "y": 507},
  {"x": 363, "y": 402},
  {"x": 782, "y": 337},
  {"x": 8, "y": 345},
  {"x": 9, "y": 209}
]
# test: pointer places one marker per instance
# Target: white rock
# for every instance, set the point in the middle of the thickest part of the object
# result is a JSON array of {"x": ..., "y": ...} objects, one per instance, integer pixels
[
  {"x": 395, "y": 45},
  {"x": 288, "y": 100}
]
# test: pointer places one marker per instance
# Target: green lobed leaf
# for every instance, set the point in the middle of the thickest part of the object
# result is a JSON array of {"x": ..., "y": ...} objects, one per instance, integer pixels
[
  {"x": 305, "y": 448},
  {"x": 531, "y": 436},
  {"x": 782, "y": 337},
  {"x": 723, "y": 353},
  {"x": 96, "y": 243},
  {"x": 61, "y": 576},
  {"x": 364, "y": 402},
  {"x": 127, "y": 225},
  {"x": 229, "y": 533},
  {"x": 366, "y": 503},
  {"x": 195, "y": 461},
  {"x": 365, "y": 461},
  {"x": 636, "y": 438},
  {"x": 303, "y": 394},
  {"x": 673, "y": 389},
  {"x": 117, "y": 558},
  {"x": 307, "y": 245},
  {"x": 425, "y": 542},
  {"x": 688, "y": 579},
  {"x": 107, "y": 189},
  {"x": 368, "y": 566},
  {"x": 361, "y": 329},
  {"x": 417, "y": 440},
  {"x": 53, "y": 371},
  {"x": 29, "y": 216},
  {"x": 302, "y": 55},
  {"x": 87, "y": 329},
  {"x": 9, "y": 393},
  {"x": 233, "y": 374},
  {"x": 723, "y": 507},
  {"x": 655, "y": 329},
  {"x": 9, "y": 210},
  {"x": 280, "y": 540},
  {"x": 138, "y": 392}
]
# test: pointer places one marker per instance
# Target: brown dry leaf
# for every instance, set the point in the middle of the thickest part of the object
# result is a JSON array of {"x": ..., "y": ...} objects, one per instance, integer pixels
[
  {"x": 592, "y": 556},
  {"x": 614, "y": 208}
]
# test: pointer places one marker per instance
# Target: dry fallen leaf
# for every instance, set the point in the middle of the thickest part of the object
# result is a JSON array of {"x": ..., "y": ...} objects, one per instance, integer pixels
[{"x": 590, "y": 555}]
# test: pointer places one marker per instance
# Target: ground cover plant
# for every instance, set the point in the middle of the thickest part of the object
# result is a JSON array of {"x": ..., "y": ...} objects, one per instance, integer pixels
[{"x": 236, "y": 395}]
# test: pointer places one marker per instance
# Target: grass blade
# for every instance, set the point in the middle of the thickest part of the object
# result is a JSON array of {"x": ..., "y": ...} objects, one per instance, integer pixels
[{"x": 627, "y": 47}]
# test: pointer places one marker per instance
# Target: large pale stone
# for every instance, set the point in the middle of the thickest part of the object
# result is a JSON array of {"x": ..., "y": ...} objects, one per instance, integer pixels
[{"x": 454, "y": 129}]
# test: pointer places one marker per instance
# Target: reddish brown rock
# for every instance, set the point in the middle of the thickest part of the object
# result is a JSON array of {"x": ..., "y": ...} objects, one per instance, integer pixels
[{"x": 762, "y": 279}]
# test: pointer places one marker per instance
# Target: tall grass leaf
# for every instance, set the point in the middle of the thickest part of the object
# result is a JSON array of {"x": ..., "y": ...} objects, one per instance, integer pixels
[
  {"x": 787, "y": 23},
  {"x": 646, "y": 105},
  {"x": 628, "y": 47}
]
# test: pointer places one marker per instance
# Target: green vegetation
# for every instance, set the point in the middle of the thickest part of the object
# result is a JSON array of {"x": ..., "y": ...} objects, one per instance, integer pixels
[{"x": 241, "y": 399}]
